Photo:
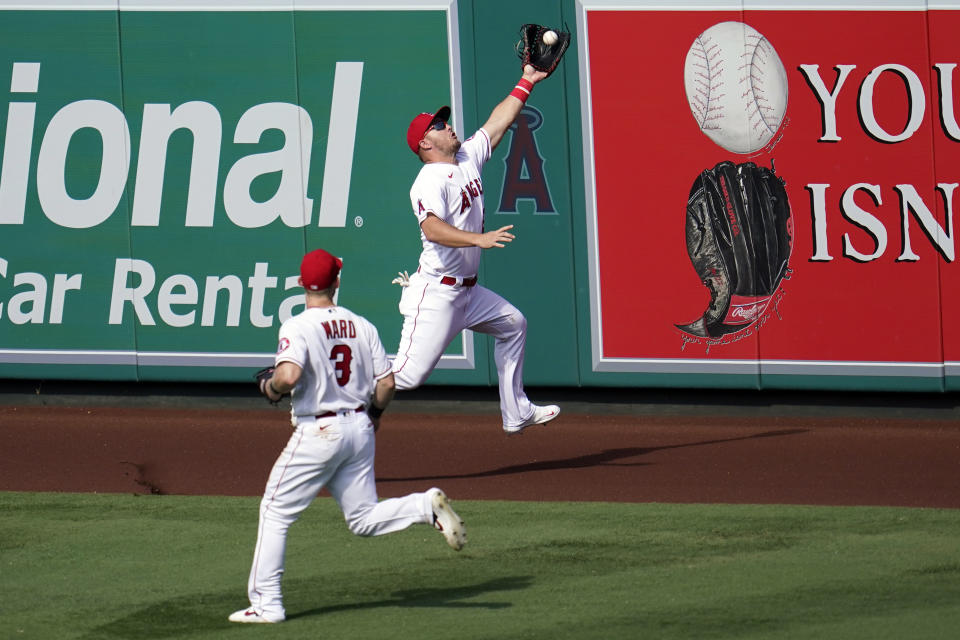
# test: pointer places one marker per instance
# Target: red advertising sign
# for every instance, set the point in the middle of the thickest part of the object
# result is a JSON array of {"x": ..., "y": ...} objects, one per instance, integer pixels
[{"x": 702, "y": 124}]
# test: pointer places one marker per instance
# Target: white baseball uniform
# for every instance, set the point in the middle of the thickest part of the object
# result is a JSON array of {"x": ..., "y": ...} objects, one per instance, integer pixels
[
  {"x": 332, "y": 445},
  {"x": 443, "y": 298}
]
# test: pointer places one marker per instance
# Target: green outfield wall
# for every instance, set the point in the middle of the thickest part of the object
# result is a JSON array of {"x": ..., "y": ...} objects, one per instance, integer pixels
[{"x": 165, "y": 165}]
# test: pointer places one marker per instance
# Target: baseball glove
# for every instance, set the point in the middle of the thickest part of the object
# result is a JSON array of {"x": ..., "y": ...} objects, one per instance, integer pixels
[
  {"x": 532, "y": 50},
  {"x": 739, "y": 238},
  {"x": 263, "y": 377}
]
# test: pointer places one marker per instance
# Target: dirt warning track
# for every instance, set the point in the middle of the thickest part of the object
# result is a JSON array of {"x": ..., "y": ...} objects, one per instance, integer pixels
[{"x": 628, "y": 455}]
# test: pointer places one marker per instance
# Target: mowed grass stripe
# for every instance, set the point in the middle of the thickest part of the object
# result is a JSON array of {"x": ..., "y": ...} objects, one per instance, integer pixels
[{"x": 123, "y": 566}]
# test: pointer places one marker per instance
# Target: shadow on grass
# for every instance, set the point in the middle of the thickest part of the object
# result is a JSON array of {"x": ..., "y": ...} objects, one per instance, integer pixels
[
  {"x": 611, "y": 457},
  {"x": 432, "y": 597},
  {"x": 180, "y": 617},
  {"x": 190, "y": 615}
]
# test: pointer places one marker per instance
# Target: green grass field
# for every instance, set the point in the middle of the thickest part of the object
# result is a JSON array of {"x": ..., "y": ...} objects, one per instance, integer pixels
[{"x": 149, "y": 567}]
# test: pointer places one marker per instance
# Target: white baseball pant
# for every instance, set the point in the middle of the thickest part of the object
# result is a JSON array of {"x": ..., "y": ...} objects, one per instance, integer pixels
[
  {"x": 336, "y": 453},
  {"x": 433, "y": 315}
]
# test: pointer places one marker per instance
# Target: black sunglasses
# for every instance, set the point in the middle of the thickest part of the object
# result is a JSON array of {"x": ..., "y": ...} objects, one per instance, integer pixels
[{"x": 437, "y": 125}]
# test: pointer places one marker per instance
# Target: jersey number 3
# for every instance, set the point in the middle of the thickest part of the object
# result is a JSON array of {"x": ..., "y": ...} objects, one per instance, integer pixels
[{"x": 341, "y": 356}]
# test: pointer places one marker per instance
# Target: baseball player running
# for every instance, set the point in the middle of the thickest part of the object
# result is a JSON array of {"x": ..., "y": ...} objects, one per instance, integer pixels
[
  {"x": 334, "y": 365},
  {"x": 442, "y": 298}
]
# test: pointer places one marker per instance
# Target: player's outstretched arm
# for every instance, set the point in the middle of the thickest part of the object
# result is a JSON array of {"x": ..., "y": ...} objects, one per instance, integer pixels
[
  {"x": 439, "y": 232},
  {"x": 507, "y": 111}
]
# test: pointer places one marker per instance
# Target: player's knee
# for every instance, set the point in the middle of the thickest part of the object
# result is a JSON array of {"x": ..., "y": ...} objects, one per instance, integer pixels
[
  {"x": 518, "y": 321},
  {"x": 359, "y": 529},
  {"x": 276, "y": 519},
  {"x": 358, "y": 521},
  {"x": 360, "y": 526},
  {"x": 409, "y": 376}
]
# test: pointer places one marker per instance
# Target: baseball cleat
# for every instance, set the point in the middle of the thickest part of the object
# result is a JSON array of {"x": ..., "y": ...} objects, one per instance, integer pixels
[
  {"x": 250, "y": 616},
  {"x": 541, "y": 415},
  {"x": 446, "y": 520}
]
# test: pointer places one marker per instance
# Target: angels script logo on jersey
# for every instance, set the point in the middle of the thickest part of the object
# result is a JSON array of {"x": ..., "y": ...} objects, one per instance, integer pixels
[
  {"x": 524, "y": 177},
  {"x": 468, "y": 193}
]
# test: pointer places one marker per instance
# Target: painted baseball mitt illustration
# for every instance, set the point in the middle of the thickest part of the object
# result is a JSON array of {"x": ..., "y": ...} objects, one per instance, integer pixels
[
  {"x": 533, "y": 50},
  {"x": 739, "y": 237}
]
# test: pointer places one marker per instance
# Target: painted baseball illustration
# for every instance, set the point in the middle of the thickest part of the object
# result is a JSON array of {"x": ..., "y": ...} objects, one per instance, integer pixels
[
  {"x": 736, "y": 86},
  {"x": 739, "y": 233}
]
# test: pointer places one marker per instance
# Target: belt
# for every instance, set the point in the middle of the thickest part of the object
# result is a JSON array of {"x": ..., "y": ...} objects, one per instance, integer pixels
[
  {"x": 330, "y": 414},
  {"x": 451, "y": 281}
]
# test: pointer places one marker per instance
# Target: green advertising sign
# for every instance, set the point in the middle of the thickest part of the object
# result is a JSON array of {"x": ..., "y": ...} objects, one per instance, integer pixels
[{"x": 165, "y": 170}]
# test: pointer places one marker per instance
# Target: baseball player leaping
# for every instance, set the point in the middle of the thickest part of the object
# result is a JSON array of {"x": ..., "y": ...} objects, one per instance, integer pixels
[
  {"x": 333, "y": 363},
  {"x": 442, "y": 298}
]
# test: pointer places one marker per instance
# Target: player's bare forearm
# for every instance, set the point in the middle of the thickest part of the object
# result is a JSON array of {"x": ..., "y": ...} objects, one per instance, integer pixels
[
  {"x": 439, "y": 232},
  {"x": 504, "y": 114},
  {"x": 284, "y": 379},
  {"x": 384, "y": 391}
]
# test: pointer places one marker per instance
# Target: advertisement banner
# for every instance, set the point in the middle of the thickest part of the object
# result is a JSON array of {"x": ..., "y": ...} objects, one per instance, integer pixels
[
  {"x": 166, "y": 165},
  {"x": 772, "y": 192}
]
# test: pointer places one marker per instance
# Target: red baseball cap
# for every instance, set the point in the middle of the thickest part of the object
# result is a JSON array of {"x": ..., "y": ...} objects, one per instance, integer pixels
[
  {"x": 418, "y": 128},
  {"x": 319, "y": 270}
]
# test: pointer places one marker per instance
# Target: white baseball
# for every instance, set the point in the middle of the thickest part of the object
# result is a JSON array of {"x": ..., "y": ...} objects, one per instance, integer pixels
[
  {"x": 550, "y": 37},
  {"x": 736, "y": 86}
]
